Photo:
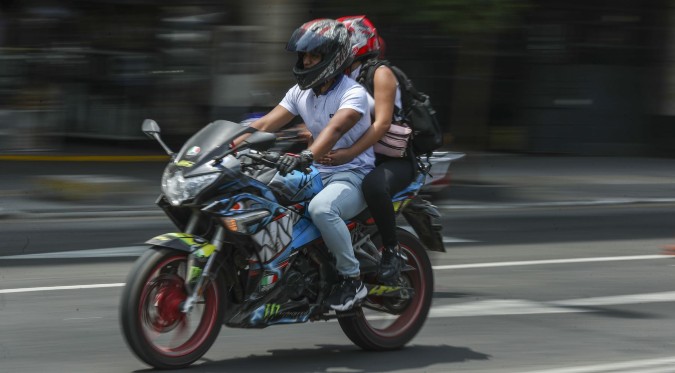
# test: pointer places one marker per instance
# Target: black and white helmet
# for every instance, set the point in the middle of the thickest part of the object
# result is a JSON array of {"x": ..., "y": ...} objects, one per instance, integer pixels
[{"x": 327, "y": 37}]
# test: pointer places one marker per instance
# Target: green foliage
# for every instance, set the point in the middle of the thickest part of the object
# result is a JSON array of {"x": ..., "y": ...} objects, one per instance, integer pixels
[
  {"x": 470, "y": 16},
  {"x": 452, "y": 17}
]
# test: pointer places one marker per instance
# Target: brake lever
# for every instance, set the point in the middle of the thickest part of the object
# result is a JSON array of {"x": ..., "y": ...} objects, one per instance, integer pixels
[{"x": 264, "y": 158}]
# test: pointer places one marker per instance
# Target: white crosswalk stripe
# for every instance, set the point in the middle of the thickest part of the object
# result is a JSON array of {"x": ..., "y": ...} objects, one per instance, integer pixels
[
  {"x": 500, "y": 307},
  {"x": 660, "y": 365}
]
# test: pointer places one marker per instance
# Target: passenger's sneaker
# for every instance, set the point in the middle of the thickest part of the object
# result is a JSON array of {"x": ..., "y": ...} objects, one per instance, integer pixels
[
  {"x": 390, "y": 264},
  {"x": 348, "y": 292}
]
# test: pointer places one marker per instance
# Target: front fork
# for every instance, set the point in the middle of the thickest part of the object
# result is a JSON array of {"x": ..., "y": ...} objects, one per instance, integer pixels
[{"x": 204, "y": 274}]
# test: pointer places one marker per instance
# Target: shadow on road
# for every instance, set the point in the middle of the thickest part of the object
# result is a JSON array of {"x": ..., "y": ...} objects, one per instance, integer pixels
[{"x": 327, "y": 358}]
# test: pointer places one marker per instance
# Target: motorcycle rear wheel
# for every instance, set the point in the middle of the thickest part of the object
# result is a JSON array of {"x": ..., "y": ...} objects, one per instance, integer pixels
[
  {"x": 378, "y": 331},
  {"x": 152, "y": 323}
]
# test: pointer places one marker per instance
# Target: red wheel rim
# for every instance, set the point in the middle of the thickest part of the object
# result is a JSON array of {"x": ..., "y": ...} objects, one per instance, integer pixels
[
  {"x": 403, "y": 321},
  {"x": 165, "y": 327}
]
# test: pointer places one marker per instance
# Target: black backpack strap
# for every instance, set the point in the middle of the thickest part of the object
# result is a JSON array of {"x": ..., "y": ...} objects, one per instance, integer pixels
[
  {"x": 367, "y": 74},
  {"x": 408, "y": 94},
  {"x": 408, "y": 91},
  {"x": 367, "y": 79}
]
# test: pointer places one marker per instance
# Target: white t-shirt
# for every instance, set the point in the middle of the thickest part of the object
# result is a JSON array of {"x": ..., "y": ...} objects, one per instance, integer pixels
[{"x": 316, "y": 112}]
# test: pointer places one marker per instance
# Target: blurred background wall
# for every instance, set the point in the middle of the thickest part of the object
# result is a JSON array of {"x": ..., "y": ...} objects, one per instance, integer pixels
[{"x": 532, "y": 76}]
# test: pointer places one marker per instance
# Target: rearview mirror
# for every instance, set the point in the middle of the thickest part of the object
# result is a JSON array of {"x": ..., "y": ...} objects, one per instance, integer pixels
[{"x": 150, "y": 127}]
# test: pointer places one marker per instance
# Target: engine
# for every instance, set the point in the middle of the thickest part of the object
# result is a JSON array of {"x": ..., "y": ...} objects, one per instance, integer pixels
[{"x": 303, "y": 280}]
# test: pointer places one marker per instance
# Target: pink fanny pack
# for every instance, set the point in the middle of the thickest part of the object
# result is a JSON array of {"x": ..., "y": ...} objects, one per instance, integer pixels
[{"x": 395, "y": 142}]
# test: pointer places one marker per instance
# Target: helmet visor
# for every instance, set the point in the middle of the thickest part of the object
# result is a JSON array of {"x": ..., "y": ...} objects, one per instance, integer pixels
[{"x": 314, "y": 39}]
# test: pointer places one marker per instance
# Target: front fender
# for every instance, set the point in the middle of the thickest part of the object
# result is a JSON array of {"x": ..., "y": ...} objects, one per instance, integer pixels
[{"x": 183, "y": 242}]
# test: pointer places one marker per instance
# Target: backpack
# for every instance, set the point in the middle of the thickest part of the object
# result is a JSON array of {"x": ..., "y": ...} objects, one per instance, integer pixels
[{"x": 427, "y": 134}]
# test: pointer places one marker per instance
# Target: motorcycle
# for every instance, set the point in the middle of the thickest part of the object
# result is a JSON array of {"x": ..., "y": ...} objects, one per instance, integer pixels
[{"x": 247, "y": 255}]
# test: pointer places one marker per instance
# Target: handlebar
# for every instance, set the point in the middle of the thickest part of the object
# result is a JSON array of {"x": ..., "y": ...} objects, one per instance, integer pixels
[{"x": 270, "y": 159}]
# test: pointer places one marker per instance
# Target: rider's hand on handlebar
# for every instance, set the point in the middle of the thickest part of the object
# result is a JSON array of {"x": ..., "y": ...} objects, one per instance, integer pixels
[{"x": 290, "y": 162}]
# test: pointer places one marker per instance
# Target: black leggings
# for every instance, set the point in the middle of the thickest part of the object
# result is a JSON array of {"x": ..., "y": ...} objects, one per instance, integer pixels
[{"x": 389, "y": 177}]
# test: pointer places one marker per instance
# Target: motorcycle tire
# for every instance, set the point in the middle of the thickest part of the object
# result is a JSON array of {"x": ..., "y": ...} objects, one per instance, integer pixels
[
  {"x": 150, "y": 311},
  {"x": 361, "y": 328}
]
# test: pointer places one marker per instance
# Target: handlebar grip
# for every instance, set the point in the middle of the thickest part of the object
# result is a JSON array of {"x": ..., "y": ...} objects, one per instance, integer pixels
[
  {"x": 255, "y": 157},
  {"x": 272, "y": 157}
]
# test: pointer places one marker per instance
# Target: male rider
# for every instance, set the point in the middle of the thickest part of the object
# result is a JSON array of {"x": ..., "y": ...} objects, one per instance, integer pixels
[{"x": 335, "y": 110}]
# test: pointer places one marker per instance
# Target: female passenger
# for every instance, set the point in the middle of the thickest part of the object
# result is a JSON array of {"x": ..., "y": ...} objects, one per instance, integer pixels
[{"x": 391, "y": 174}]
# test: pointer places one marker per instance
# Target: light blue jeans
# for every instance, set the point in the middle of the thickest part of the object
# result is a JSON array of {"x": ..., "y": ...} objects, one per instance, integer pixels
[{"x": 340, "y": 199}]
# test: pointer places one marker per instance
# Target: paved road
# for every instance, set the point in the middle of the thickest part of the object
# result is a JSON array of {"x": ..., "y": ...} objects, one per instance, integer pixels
[{"x": 598, "y": 303}]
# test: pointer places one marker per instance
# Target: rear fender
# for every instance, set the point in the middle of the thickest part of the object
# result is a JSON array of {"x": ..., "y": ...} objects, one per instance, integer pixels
[{"x": 183, "y": 242}]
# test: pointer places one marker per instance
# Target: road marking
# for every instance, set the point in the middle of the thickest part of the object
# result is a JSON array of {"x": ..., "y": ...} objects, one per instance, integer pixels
[
  {"x": 501, "y": 307},
  {"x": 666, "y": 365},
  {"x": 618, "y": 299},
  {"x": 136, "y": 250},
  {"x": 450, "y": 205},
  {"x": 493, "y": 307},
  {"x": 456, "y": 240},
  {"x": 498, "y": 307},
  {"x": 67, "y": 287},
  {"x": 552, "y": 261},
  {"x": 83, "y": 318},
  {"x": 129, "y": 251}
]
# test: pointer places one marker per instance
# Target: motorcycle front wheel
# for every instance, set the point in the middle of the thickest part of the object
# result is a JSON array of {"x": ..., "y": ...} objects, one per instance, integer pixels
[
  {"x": 384, "y": 323},
  {"x": 152, "y": 322}
]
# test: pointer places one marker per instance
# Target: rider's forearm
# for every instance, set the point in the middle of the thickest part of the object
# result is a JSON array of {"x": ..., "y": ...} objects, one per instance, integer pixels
[
  {"x": 342, "y": 121},
  {"x": 325, "y": 142}
]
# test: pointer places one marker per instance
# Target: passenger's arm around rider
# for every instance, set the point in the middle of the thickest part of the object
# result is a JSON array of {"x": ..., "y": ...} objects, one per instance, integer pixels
[{"x": 384, "y": 94}]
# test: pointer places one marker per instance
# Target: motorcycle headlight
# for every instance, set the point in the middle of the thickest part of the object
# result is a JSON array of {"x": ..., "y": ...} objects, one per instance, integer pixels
[{"x": 179, "y": 189}]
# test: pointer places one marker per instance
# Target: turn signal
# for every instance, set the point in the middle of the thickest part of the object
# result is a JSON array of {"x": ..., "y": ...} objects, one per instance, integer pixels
[{"x": 244, "y": 223}]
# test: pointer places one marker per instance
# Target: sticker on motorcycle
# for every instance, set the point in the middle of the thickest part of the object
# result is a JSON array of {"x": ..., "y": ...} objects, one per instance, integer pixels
[
  {"x": 380, "y": 290},
  {"x": 271, "y": 309},
  {"x": 193, "y": 151},
  {"x": 184, "y": 163}
]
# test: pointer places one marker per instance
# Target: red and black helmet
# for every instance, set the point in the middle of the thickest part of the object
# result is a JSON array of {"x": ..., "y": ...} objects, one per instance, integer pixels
[
  {"x": 330, "y": 39},
  {"x": 363, "y": 36}
]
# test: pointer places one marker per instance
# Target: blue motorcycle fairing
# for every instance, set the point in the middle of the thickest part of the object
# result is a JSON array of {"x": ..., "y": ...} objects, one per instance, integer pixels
[
  {"x": 412, "y": 188},
  {"x": 244, "y": 203},
  {"x": 239, "y": 182},
  {"x": 297, "y": 186},
  {"x": 274, "y": 233}
]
